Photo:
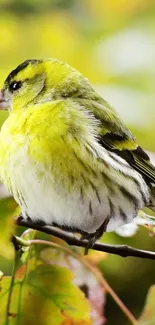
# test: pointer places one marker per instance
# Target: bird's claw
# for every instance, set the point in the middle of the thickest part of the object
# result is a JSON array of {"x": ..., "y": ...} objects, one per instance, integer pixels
[{"x": 91, "y": 238}]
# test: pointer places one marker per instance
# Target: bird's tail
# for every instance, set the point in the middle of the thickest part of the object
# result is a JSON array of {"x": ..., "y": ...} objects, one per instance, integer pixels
[{"x": 152, "y": 198}]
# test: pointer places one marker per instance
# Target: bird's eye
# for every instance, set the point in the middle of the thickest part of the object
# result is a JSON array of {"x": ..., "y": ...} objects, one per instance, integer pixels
[{"x": 15, "y": 85}]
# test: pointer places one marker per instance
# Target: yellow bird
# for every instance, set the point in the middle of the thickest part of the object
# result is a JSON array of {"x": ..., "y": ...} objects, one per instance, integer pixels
[{"x": 66, "y": 156}]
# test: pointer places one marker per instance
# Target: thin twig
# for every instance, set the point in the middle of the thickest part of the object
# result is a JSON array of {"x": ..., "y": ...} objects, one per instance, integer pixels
[
  {"x": 111, "y": 292},
  {"x": 121, "y": 250}
]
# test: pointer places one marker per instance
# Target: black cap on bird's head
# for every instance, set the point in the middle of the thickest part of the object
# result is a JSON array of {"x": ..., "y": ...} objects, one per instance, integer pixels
[
  {"x": 24, "y": 74},
  {"x": 19, "y": 68}
]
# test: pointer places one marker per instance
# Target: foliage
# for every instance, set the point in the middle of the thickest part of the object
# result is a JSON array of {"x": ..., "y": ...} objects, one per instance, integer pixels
[
  {"x": 46, "y": 296},
  {"x": 42, "y": 289},
  {"x": 39, "y": 290}
]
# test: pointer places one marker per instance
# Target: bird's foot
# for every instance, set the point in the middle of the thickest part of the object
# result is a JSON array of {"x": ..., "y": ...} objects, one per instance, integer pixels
[{"x": 92, "y": 237}]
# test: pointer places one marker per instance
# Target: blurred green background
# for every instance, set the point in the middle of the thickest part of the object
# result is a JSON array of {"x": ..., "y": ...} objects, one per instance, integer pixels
[{"x": 112, "y": 42}]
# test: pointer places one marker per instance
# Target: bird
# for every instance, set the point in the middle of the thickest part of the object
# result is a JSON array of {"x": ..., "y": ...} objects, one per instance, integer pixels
[{"x": 65, "y": 154}]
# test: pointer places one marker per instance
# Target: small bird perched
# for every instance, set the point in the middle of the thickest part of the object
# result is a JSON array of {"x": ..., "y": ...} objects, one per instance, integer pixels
[{"x": 66, "y": 156}]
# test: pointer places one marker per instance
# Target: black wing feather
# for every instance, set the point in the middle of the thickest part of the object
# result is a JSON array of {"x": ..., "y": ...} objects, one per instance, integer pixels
[{"x": 136, "y": 158}]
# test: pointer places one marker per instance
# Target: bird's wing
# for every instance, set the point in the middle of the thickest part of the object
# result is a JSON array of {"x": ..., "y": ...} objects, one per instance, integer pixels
[
  {"x": 115, "y": 137},
  {"x": 137, "y": 157},
  {"x": 120, "y": 140}
]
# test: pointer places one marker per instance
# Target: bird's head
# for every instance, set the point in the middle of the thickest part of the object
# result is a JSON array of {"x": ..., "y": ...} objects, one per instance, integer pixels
[{"x": 36, "y": 81}]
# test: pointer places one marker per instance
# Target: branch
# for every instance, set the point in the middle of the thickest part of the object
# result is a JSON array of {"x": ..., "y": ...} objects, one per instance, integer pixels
[{"x": 121, "y": 250}]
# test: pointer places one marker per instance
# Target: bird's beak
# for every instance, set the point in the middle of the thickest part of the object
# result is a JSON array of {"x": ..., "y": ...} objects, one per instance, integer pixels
[{"x": 4, "y": 103}]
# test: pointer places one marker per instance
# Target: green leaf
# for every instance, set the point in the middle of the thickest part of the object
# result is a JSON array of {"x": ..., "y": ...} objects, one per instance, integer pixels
[
  {"x": 48, "y": 296},
  {"x": 148, "y": 314},
  {"x": 7, "y": 208},
  {"x": 83, "y": 277}
]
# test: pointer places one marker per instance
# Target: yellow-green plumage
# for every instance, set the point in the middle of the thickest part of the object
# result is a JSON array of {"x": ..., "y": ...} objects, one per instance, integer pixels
[{"x": 66, "y": 156}]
